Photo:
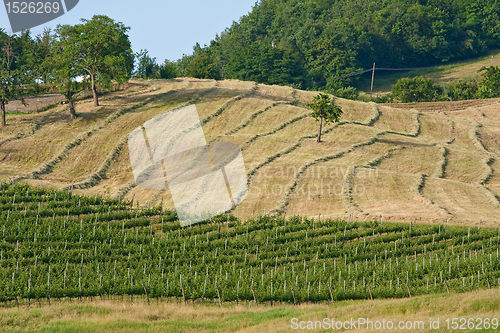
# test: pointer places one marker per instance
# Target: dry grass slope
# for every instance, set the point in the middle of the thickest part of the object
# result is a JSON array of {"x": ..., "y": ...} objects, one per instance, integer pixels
[
  {"x": 117, "y": 316},
  {"x": 430, "y": 161}
]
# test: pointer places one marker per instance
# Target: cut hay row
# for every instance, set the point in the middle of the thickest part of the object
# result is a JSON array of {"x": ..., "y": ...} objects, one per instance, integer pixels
[
  {"x": 252, "y": 117},
  {"x": 94, "y": 178},
  {"x": 48, "y": 166},
  {"x": 274, "y": 130},
  {"x": 349, "y": 177},
  {"x": 227, "y": 104},
  {"x": 466, "y": 202},
  {"x": 30, "y": 131},
  {"x": 443, "y": 161},
  {"x": 292, "y": 185},
  {"x": 418, "y": 188},
  {"x": 375, "y": 114}
]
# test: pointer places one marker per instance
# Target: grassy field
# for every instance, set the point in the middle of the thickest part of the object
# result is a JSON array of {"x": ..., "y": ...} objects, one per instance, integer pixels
[{"x": 118, "y": 316}]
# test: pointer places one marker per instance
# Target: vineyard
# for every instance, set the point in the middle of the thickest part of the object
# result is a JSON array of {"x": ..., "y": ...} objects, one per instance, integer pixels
[{"x": 59, "y": 244}]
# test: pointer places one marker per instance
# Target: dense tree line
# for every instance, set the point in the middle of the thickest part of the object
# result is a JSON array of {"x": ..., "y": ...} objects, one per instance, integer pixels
[
  {"x": 310, "y": 44},
  {"x": 148, "y": 68},
  {"x": 89, "y": 55}
]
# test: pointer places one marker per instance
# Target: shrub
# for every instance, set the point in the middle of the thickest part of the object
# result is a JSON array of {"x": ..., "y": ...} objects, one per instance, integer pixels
[
  {"x": 346, "y": 92},
  {"x": 462, "y": 90},
  {"x": 490, "y": 85},
  {"x": 384, "y": 98},
  {"x": 417, "y": 89}
]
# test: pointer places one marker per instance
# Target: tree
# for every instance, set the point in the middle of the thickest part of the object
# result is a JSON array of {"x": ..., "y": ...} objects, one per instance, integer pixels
[
  {"x": 64, "y": 62},
  {"x": 331, "y": 58},
  {"x": 324, "y": 108},
  {"x": 168, "y": 70},
  {"x": 10, "y": 72},
  {"x": 264, "y": 63},
  {"x": 42, "y": 50},
  {"x": 202, "y": 65},
  {"x": 104, "y": 51},
  {"x": 147, "y": 68}
]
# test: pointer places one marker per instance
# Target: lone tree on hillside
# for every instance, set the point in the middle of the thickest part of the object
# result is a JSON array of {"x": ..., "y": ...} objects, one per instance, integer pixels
[
  {"x": 104, "y": 51},
  {"x": 324, "y": 108}
]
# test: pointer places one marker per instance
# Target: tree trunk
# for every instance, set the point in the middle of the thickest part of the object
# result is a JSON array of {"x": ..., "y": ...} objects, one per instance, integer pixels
[
  {"x": 69, "y": 98},
  {"x": 319, "y": 130},
  {"x": 2, "y": 107},
  {"x": 94, "y": 91}
]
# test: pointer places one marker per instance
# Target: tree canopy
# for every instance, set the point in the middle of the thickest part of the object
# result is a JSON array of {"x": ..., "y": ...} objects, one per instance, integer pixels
[
  {"x": 315, "y": 44},
  {"x": 148, "y": 68},
  {"x": 13, "y": 72},
  {"x": 324, "y": 108},
  {"x": 417, "y": 89},
  {"x": 104, "y": 51},
  {"x": 64, "y": 63}
]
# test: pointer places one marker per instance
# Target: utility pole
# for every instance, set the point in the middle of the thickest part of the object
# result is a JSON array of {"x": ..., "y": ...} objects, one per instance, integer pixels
[{"x": 373, "y": 75}]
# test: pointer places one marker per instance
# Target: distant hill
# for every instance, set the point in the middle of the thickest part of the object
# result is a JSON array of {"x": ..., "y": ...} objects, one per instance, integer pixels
[
  {"x": 312, "y": 44},
  {"x": 430, "y": 161}
]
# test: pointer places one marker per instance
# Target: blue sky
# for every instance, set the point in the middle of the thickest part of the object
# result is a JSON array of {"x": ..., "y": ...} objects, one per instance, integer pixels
[{"x": 167, "y": 29}]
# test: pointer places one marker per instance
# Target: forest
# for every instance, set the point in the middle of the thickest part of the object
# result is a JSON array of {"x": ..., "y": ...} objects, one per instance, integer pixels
[{"x": 316, "y": 44}]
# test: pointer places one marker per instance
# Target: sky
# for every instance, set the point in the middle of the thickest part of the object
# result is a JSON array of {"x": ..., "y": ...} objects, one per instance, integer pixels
[{"x": 166, "y": 28}]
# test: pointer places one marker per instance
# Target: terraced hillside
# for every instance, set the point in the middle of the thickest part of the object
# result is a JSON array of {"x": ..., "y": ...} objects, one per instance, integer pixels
[{"x": 432, "y": 162}]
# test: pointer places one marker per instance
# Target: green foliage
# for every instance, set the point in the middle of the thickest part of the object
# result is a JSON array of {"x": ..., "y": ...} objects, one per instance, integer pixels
[
  {"x": 104, "y": 51},
  {"x": 147, "y": 68},
  {"x": 11, "y": 70},
  {"x": 417, "y": 89},
  {"x": 383, "y": 98},
  {"x": 203, "y": 67},
  {"x": 329, "y": 59},
  {"x": 64, "y": 63},
  {"x": 168, "y": 70},
  {"x": 324, "y": 108},
  {"x": 462, "y": 90},
  {"x": 489, "y": 87},
  {"x": 265, "y": 64},
  {"x": 318, "y": 43},
  {"x": 346, "y": 92},
  {"x": 101, "y": 246},
  {"x": 98, "y": 49},
  {"x": 42, "y": 49}
]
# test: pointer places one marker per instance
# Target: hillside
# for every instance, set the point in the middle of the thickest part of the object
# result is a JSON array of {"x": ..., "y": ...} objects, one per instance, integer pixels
[
  {"x": 317, "y": 44},
  {"x": 442, "y": 75},
  {"x": 432, "y": 162}
]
